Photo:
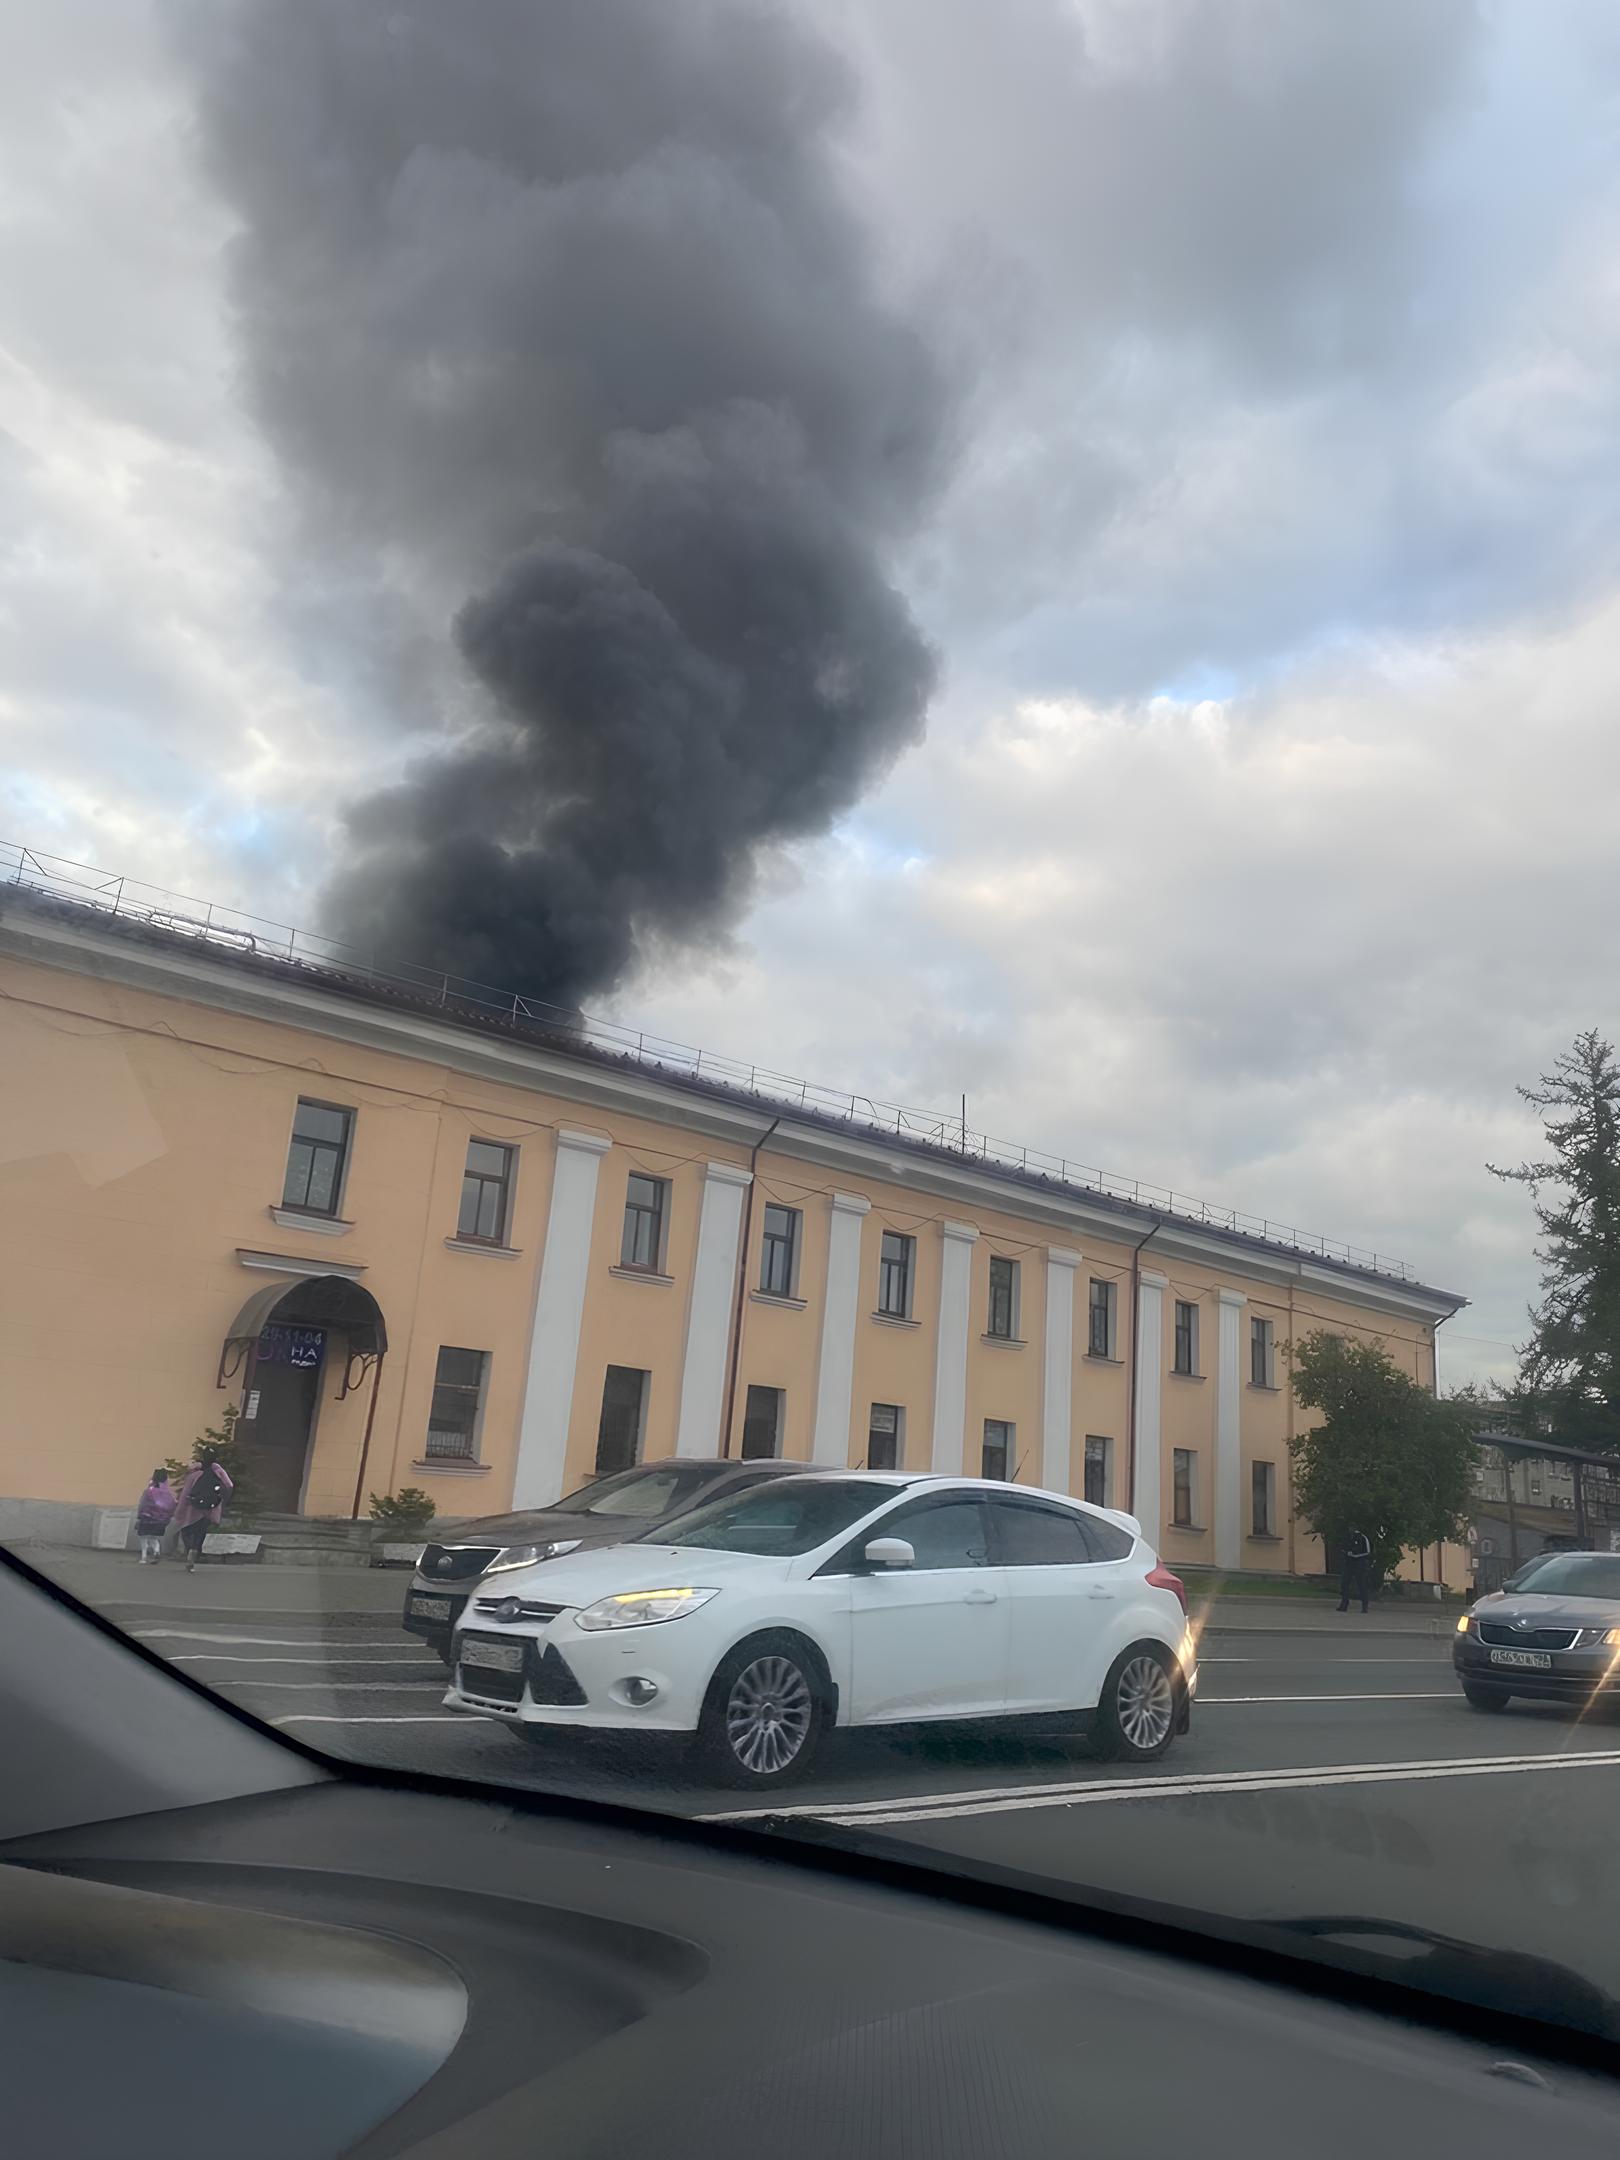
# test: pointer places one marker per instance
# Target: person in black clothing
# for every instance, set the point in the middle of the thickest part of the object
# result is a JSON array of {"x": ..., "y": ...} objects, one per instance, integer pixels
[{"x": 1353, "y": 1577}]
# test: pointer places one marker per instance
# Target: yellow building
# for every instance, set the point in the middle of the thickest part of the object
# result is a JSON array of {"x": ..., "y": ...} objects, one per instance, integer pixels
[{"x": 424, "y": 1241}]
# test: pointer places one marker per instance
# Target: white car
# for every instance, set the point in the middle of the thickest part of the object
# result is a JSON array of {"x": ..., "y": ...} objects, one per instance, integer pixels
[{"x": 760, "y": 1620}]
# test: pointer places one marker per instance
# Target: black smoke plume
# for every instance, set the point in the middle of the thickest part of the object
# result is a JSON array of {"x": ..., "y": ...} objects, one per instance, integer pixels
[{"x": 555, "y": 311}]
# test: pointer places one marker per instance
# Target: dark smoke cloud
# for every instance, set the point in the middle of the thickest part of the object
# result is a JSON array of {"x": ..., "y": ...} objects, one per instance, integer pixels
[{"x": 554, "y": 308}]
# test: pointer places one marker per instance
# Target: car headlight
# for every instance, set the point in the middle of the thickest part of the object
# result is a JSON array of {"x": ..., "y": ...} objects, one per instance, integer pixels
[
  {"x": 641, "y": 1608},
  {"x": 1465, "y": 1623},
  {"x": 511, "y": 1556}
]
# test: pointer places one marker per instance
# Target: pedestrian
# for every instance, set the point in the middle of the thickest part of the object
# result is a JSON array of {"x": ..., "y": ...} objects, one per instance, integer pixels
[
  {"x": 202, "y": 1501},
  {"x": 154, "y": 1511},
  {"x": 1357, "y": 1568}
]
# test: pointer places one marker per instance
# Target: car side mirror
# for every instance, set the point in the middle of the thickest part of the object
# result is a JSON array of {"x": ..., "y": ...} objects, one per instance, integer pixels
[{"x": 887, "y": 1552}]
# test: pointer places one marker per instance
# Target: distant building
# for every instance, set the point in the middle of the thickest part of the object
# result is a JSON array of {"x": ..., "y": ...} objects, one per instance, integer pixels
[
  {"x": 1532, "y": 1496},
  {"x": 420, "y": 1239}
]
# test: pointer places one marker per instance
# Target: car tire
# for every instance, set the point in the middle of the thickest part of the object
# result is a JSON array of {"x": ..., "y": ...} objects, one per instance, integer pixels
[
  {"x": 1140, "y": 1706},
  {"x": 764, "y": 1714},
  {"x": 1484, "y": 1698}
]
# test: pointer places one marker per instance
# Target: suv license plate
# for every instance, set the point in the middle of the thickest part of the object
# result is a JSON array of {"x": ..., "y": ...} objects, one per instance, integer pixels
[
  {"x": 493, "y": 1656},
  {"x": 1531, "y": 1660},
  {"x": 430, "y": 1608}
]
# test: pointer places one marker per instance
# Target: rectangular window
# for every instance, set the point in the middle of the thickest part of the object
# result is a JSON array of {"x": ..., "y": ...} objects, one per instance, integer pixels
[
  {"x": 1099, "y": 1469},
  {"x": 1186, "y": 1488},
  {"x": 762, "y": 1423},
  {"x": 1260, "y": 1353},
  {"x": 624, "y": 1419},
  {"x": 885, "y": 1436},
  {"x": 486, "y": 1186},
  {"x": 1186, "y": 1336},
  {"x": 318, "y": 1158},
  {"x": 779, "y": 1251},
  {"x": 894, "y": 1275},
  {"x": 458, "y": 1403},
  {"x": 642, "y": 1245},
  {"x": 1263, "y": 1498},
  {"x": 1003, "y": 1316},
  {"x": 998, "y": 1460},
  {"x": 1100, "y": 1339}
]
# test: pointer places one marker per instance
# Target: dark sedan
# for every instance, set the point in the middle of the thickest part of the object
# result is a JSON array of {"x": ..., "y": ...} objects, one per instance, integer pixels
[
  {"x": 608, "y": 1511},
  {"x": 1557, "y": 1638}
]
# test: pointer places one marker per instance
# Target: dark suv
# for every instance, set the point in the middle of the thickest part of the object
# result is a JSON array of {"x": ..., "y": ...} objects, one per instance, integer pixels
[{"x": 609, "y": 1511}]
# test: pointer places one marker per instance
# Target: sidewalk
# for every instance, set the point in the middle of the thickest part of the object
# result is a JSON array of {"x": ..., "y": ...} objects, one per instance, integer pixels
[
  {"x": 1319, "y": 1616},
  {"x": 116, "y": 1583}
]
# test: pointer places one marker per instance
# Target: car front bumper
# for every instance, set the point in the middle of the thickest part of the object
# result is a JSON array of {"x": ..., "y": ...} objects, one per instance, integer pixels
[
  {"x": 432, "y": 1612},
  {"x": 1572, "y": 1675},
  {"x": 574, "y": 1677}
]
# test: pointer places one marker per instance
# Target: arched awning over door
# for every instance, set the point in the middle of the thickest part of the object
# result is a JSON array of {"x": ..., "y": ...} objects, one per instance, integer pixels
[{"x": 323, "y": 1301}]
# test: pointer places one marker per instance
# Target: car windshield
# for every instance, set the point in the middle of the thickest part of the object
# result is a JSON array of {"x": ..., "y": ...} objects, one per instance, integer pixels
[
  {"x": 783, "y": 1516},
  {"x": 748, "y": 737},
  {"x": 1593, "y": 1575},
  {"x": 635, "y": 1493}
]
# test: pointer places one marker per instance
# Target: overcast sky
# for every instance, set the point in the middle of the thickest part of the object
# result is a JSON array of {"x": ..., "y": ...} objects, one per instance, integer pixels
[{"x": 1264, "y": 832}]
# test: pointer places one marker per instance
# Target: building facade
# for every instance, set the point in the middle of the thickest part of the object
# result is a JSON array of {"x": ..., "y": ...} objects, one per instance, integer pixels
[{"x": 427, "y": 1246}]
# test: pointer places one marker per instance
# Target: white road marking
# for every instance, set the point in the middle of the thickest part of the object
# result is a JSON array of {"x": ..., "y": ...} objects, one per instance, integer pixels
[
  {"x": 340, "y": 1687},
  {"x": 1216, "y": 1702},
  {"x": 310, "y": 1718},
  {"x": 943, "y": 1807},
  {"x": 228, "y": 1657},
  {"x": 1333, "y": 1662},
  {"x": 278, "y": 1642}
]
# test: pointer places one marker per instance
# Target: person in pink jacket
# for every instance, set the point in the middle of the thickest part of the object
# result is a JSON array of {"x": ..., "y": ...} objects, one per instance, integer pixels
[
  {"x": 202, "y": 1501},
  {"x": 154, "y": 1511}
]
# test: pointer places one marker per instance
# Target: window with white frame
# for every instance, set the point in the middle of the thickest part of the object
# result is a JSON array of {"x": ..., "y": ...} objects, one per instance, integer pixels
[
  {"x": 1262, "y": 1354},
  {"x": 779, "y": 1251},
  {"x": 997, "y": 1459},
  {"x": 646, "y": 1203},
  {"x": 1001, "y": 1320},
  {"x": 1099, "y": 1469},
  {"x": 1263, "y": 1499},
  {"x": 458, "y": 1405},
  {"x": 1184, "y": 1488},
  {"x": 896, "y": 1268},
  {"x": 1185, "y": 1358},
  {"x": 885, "y": 1436},
  {"x": 1101, "y": 1311}
]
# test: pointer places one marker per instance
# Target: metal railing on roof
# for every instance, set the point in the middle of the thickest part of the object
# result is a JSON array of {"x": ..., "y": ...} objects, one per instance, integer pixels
[{"x": 210, "y": 923}]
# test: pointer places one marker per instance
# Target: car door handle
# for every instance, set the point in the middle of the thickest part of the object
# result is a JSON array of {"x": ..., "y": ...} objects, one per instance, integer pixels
[
  {"x": 1105, "y": 1594},
  {"x": 979, "y": 1597}
]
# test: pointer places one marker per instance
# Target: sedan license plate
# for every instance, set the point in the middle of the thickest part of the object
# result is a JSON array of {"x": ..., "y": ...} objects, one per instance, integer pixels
[
  {"x": 493, "y": 1656},
  {"x": 430, "y": 1608},
  {"x": 1526, "y": 1660}
]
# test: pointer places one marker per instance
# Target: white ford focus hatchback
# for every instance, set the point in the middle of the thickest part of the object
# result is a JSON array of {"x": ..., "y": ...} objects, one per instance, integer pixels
[{"x": 758, "y": 1621}]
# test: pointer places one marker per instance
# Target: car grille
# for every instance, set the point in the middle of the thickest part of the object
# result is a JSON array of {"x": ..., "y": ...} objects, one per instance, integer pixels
[
  {"x": 455, "y": 1563},
  {"x": 483, "y": 1680},
  {"x": 552, "y": 1680},
  {"x": 527, "y": 1609},
  {"x": 1513, "y": 1638}
]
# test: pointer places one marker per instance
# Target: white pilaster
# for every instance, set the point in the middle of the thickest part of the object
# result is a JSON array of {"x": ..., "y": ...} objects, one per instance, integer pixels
[
  {"x": 1058, "y": 1393},
  {"x": 957, "y": 1241},
  {"x": 1147, "y": 1504},
  {"x": 835, "y": 1373},
  {"x": 1229, "y": 1432},
  {"x": 559, "y": 1308},
  {"x": 709, "y": 1310}
]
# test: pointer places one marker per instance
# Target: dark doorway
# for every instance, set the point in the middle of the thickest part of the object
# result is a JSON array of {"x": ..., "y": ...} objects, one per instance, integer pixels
[
  {"x": 624, "y": 1419},
  {"x": 278, "y": 1413}
]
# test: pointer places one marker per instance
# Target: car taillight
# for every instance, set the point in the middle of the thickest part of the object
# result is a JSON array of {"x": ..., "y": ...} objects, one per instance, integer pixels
[{"x": 1162, "y": 1579}]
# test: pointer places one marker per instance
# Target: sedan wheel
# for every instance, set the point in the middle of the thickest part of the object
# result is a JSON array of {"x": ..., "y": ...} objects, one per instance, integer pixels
[
  {"x": 764, "y": 1715},
  {"x": 1137, "y": 1715}
]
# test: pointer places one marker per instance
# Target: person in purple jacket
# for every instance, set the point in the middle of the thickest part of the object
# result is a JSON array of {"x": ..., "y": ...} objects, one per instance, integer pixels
[
  {"x": 202, "y": 1502},
  {"x": 154, "y": 1511}
]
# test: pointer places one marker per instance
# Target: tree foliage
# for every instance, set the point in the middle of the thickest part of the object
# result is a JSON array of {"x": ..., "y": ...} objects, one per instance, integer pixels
[
  {"x": 408, "y": 1509},
  {"x": 219, "y": 1443},
  {"x": 1386, "y": 1458},
  {"x": 1569, "y": 1371}
]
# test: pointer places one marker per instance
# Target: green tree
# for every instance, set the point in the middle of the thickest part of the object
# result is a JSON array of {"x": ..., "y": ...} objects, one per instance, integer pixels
[
  {"x": 1386, "y": 1458},
  {"x": 218, "y": 1443},
  {"x": 1569, "y": 1371}
]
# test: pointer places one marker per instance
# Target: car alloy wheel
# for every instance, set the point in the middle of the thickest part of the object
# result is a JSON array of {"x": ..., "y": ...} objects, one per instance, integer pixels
[
  {"x": 769, "y": 1713},
  {"x": 1144, "y": 1703}
]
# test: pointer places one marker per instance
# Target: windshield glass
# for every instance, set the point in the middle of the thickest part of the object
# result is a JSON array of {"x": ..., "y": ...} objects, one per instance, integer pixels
[
  {"x": 782, "y": 1516},
  {"x": 634, "y": 1493},
  {"x": 1594, "y": 1575},
  {"x": 873, "y": 740}
]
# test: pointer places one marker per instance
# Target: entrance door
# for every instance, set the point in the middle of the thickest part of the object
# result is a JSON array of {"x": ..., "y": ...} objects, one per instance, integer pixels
[{"x": 279, "y": 1414}]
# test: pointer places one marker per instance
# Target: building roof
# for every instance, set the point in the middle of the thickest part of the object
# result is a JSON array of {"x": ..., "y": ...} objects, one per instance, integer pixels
[{"x": 98, "y": 906}]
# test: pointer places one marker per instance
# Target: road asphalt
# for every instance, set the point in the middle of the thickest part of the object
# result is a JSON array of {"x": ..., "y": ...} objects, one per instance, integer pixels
[{"x": 1333, "y": 1769}]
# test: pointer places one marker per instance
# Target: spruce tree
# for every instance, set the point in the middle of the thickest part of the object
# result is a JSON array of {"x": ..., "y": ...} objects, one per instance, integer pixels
[{"x": 1569, "y": 1370}]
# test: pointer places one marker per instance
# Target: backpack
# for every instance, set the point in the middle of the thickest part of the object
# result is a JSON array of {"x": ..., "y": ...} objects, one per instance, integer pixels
[{"x": 208, "y": 1492}]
